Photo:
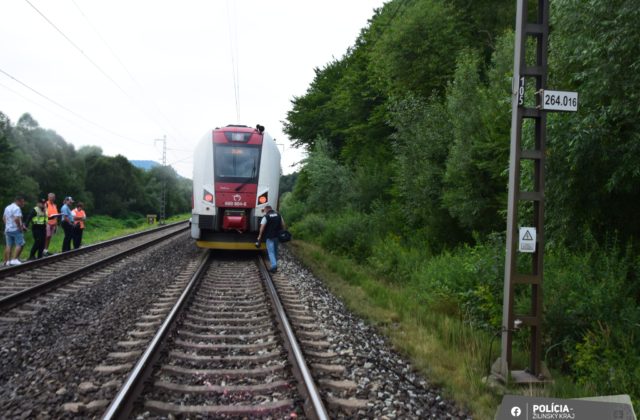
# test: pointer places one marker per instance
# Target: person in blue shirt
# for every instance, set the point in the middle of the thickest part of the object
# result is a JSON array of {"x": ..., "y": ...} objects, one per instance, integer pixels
[{"x": 67, "y": 223}]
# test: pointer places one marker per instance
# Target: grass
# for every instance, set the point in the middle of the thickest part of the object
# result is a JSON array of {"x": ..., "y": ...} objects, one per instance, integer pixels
[
  {"x": 449, "y": 352},
  {"x": 98, "y": 229}
]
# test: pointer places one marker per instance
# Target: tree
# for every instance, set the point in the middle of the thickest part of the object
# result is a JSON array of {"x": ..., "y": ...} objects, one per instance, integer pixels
[
  {"x": 323, "y": 179},
  {"x": 421, "y": 146},
  {"x": 594, "y": 154},
  {"x": 7, "y": 170},
  {"x": 417, "y": 47},
  {"x": 177, "y": 190},
  {"x": 116, "y": 185},
  {"x": 477, "y": 167},
  {"x": 287, "y": 182},
  {"x": 313, "y": 114}
]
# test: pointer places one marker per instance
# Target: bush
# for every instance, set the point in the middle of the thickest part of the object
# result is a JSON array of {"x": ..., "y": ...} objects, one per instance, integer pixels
[
  {"x": 348, "y": 234},
  {"x": 472, "y": 278},
  {"x": 397, "y": 263},
  {"x": 309, "y": 228},
  {"x": 607, "y": 360},
  {"x": 585, "y": 287},
  {"x": 131, "y": 223},
  {"x": 293, "y": 210}
]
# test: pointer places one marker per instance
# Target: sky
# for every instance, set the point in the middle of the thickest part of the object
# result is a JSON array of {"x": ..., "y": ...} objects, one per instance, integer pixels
[{"x": 126, "y": 74}]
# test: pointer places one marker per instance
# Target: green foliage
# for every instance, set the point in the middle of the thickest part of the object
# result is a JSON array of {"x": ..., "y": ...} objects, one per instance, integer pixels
[
  {"x": 607, "y": 362},
  {"x": 292, "y": 210},
  {"x": 103, "y": 175},
  {"x": 472, "y": 277},
  {"x": 421, "y": 146},
  {"x": 476, "y": 172},
  {"x": 326, "y": 181},
  {"x": 314, "y": 115},
  {"x": 483, "y": 20},
  {"x": 409, "y": 139},
  {"x": 348, "y": 233},
  {"x": 583, "y": 287},
  {"x": 6, "y": 159},
  {"x": 392, "y": 260},
  {"x": 413, "y": 52},
  {"x": 287, "y": 182},
  {"x": 310, "y": 227},
  {"x": 594, "y": 162}
]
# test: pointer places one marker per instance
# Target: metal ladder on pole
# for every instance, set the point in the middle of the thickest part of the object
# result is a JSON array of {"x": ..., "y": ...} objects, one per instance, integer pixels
[{"x": 526, "y": 32}]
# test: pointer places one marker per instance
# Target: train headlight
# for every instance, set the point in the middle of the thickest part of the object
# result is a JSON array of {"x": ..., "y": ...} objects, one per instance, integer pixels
[
  {"x": 208, "y": 197},
  {"x": 264, "y": 198}
]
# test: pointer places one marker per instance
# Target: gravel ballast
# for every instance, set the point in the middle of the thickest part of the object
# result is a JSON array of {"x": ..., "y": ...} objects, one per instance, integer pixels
[
  {"x": 45, "y": 357},
  {"x": 384, "y": 377}
]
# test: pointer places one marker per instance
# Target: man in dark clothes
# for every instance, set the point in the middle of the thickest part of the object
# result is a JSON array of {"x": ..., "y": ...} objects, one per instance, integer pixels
[
  {"x": 38, "y": 219},
  {"x": 270, "y": 225}
]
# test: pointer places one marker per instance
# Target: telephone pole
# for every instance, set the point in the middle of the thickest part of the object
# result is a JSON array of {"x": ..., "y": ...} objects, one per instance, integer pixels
[{"x": 163, "y": 197}]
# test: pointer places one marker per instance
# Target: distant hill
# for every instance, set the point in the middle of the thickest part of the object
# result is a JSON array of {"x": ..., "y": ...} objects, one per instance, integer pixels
[{"x": 144, "y": 164}]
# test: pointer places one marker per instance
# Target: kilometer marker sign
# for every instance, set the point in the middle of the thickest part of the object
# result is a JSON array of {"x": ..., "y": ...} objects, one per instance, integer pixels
[{"x": 556, "y": 100}]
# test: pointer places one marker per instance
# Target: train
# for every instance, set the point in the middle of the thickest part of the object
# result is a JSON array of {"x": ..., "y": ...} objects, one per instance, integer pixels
[{"x": 236, "y": 173}]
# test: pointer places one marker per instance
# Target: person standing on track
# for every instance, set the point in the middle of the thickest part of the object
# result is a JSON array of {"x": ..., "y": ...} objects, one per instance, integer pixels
[
  {"x": 52, "y": 224},
  {"x": 79, "y": 216},
  {"x": 270, "y": 226},
  {"x": 13, "y": 228},
  {"x": 67, "y": 223},
  {"x": 38, "y": 220}
]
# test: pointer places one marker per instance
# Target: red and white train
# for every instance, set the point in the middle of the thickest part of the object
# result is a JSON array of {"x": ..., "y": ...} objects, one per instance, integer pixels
[{"x": 236, "y": 172}]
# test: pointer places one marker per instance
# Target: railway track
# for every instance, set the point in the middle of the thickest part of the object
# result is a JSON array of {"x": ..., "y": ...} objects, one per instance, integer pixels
[
  {"x": 63, "y": 273},
  {"x": 223, "y": 353},
  {"x": 228, "y": 351}
]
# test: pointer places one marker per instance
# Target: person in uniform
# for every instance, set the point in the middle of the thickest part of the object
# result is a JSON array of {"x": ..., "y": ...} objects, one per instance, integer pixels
[
  {"x": 52, "y": 224},
  {"x": 79, "y": 216},
  {"x": 270, "y": 226},
  {"x": 38, "y": 219}
]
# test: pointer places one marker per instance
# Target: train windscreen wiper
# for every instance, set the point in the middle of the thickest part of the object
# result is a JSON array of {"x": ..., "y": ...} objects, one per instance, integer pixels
[{"x": 253, "y": 176}]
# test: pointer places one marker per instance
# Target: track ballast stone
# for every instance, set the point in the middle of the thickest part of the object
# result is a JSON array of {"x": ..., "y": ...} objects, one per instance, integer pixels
[
  {"x": 392, "y": 386},
  {"x": 47, "y": 359}
]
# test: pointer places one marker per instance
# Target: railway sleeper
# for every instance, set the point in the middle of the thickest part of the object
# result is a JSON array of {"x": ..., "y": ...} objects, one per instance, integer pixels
[{"x": 230, "y": 410}]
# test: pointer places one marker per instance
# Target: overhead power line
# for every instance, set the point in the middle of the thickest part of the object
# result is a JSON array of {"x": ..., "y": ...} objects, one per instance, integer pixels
[
  {"x": 233, "y": 43},
  {"x": 126, "y": 69},
  {"x": 58, "y": 104},
  {"x": 104, "y": 73}
]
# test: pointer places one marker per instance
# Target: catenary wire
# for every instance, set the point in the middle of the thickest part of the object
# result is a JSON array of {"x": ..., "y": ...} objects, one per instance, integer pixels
[
  {"x": 84, "y": 128},
  {"x": 104, "y": 73},
  {"x": 126, "y": 69},
  {"x": 233, "y": 43},
  {"x": 58, "y": 104}
]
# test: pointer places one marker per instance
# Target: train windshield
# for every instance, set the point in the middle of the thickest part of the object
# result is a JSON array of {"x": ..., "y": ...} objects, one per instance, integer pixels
[{"x": 236, "y": 163}]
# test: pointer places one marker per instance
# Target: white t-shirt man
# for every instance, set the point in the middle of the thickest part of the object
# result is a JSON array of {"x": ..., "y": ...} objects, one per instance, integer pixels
[{"x": 11, "y": 212}]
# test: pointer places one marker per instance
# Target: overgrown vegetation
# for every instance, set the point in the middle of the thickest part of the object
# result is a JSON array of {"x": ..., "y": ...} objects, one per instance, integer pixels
[{"x": 408, "y": 141}]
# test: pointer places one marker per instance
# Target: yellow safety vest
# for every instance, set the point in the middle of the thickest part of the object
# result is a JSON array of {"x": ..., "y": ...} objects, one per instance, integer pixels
[{"x": 40, "y": 218}]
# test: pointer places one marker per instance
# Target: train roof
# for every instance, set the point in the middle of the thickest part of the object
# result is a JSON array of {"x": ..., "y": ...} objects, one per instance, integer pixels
[{"x": 241, "y": 128}]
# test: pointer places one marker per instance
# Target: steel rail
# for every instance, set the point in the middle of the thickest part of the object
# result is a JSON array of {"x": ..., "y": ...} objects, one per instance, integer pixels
[
  {"x": 122, "y": 404},
  {"x": 24, "y": 295},
  {"x": 317, "y": 406},
  {"x": 27, "y": 265}
]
